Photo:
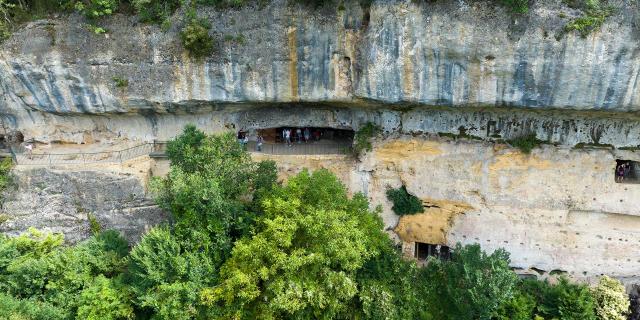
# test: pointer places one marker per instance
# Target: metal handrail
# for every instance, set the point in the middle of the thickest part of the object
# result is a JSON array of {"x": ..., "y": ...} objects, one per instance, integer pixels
[
  {"x": 116, "y": 156},
  {"x": 158, "y": 147}
]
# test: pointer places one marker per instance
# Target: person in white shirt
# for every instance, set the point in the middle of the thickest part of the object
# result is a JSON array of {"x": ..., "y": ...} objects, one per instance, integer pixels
[{"x": 29, "y": 148}]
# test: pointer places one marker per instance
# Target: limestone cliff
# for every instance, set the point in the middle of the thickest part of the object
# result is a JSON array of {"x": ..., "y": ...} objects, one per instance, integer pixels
[
  {"x": 454, "y": 53},
  {"x": 63, "y": 200}
]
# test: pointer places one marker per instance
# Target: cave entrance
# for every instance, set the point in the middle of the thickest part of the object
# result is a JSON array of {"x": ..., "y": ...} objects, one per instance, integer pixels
[
  {"x": 307, "y": 135},
  {"x": 627, "y": 171},
  {"x": 425, "y": 250},
  {"x": 303, "y": 140}
]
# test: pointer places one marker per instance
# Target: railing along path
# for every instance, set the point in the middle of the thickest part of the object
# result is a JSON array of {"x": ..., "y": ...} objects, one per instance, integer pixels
[{"x": 158, "y": 149}]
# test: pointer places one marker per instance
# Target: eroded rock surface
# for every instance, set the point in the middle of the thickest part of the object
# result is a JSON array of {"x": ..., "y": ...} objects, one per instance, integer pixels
[
  {"x": 61, "y": 201},
  {"x": 454, "y": 53},
  {"x": 557, "y": 210}
]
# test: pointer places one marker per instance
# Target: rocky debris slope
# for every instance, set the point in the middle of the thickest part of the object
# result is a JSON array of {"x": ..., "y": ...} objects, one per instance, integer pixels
[{"x": 63, "y": 201}]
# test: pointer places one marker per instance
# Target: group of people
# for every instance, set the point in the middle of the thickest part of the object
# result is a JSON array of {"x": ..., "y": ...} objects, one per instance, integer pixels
[
  {"x": 622, "y": 171},
  {"x": 243, "y": 139},
  {"x": 299, "y": 135}
]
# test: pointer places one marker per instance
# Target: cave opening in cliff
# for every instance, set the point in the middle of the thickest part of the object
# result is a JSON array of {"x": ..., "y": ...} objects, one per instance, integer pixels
[
  {"x": 627, "y": 171},
  {"x": 306, "y": 135},
  {"x": 301, "y": 140},
  {"x": 425, "y": 250}
]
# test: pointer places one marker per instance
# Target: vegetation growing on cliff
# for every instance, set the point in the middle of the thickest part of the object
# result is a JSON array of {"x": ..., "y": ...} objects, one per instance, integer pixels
[
  {"x": 594, "y": 14},
  {"x": 517, "y": 6},
  {"x": 404, "y": 202},
  {"x": 526, "y": 142},
  {"x": 242, "y": 246},
  {"x": 362, "y": 139},
  {"x": 195, "y": 36}
]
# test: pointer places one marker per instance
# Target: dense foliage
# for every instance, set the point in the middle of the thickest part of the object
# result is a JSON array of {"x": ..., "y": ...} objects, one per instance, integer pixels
[
  {"x": 242, "y": 246},
  {"x": 404, "y": 202},
  {"x": 612, "y": 303},
  {"x": 472, "y": 285}
]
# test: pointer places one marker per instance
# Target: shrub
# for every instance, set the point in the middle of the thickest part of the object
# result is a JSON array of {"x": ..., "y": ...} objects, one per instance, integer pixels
[
  {"x": 155, "y": 11},
  {"x": 611, "y": 300},
  {"x": 362, "y": 139},
  {"x": 121, "y": 82},
  {"x": 94, "y": 225},
  {"x": 526, "y": 143},
  {"x": 517, "y": 6},
  {"x": 94, "y": 9},
  {"x": 593, "y": 17},
  {"x": 5, "y": 174},
  {"x": 196, "y": 39},
  {"x": 404, "y": 202}
]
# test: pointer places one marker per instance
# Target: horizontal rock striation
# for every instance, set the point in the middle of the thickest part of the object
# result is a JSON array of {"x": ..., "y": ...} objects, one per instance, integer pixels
[
  {"x": 62, "y": 201},
  {"x": 467, "y": 53}
]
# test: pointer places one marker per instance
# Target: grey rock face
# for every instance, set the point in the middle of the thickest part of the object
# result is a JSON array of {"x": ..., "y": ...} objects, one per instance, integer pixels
[
  {"x": 60, "y": 201},
  {"x": 449, "y": 53}
]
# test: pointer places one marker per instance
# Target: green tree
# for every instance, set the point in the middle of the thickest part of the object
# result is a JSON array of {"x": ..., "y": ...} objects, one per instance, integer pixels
[
  {"x": 611, "y": 300},
  {"x": 184, "y": 151},
  {"x": 472, "y": 285},
  {"x": 520, "y": 307},
  {"x": 563, "y": 300},
  {"x": 304, "y": 256},
  {"x": 207, "y": 189},
  {"x": 166, "y": 274},
  {"x": 28, "y": 309},
  {"x": 390, "y": 287},
  {"x": 36, "y": 266},
  {"x": 104, "y": 299}
]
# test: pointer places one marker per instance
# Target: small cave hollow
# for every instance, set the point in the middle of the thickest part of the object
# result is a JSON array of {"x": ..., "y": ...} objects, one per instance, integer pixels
[
  {"x": 425, "y": 250},
  {"x": 627, "y": 171}
]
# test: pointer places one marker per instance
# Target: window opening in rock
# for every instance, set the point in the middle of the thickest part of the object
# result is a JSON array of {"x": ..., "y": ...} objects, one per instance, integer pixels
[
  {"x": 426, "y": 250},
  {"x": 627, "y": 171}
]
